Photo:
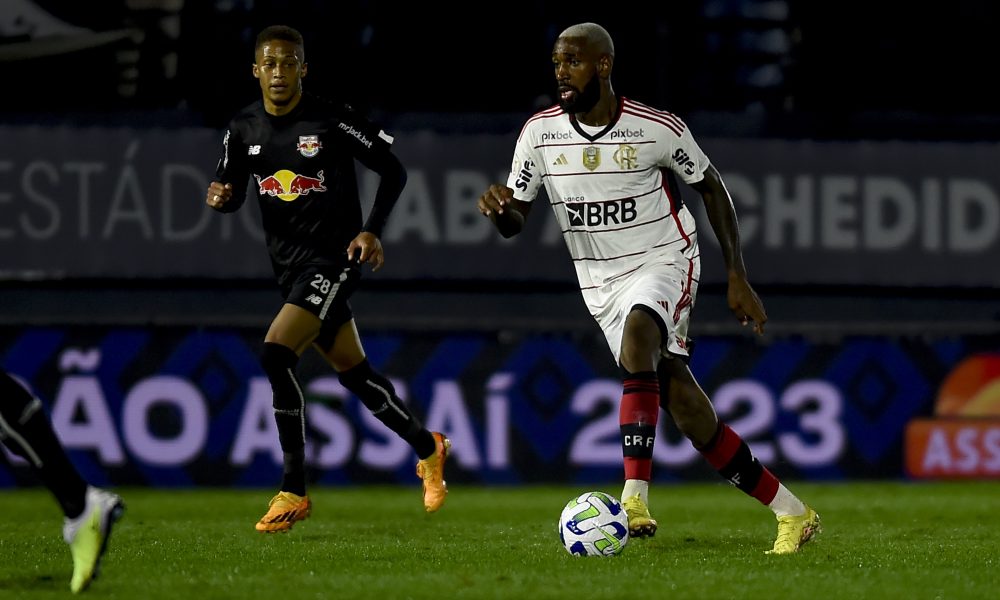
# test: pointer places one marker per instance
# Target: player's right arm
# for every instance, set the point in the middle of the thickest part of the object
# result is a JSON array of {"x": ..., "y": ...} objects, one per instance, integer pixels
[
  {"x": 507, "y": 206},
  {"x": 507, "y": 213},
  {"x": 228, "y": 191}
]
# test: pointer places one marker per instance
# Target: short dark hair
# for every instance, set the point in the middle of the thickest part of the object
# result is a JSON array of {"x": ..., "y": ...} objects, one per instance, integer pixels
[{"x": 280, "y": 32}]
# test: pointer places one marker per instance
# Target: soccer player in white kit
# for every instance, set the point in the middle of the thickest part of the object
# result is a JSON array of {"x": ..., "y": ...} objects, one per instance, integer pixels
[{"x": 609, "y": 165}]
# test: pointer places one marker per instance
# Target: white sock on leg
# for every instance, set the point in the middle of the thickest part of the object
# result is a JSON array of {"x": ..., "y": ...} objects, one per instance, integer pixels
[
  {"x": 637, "y": 487},
  {"x": 785, "y": 503}
]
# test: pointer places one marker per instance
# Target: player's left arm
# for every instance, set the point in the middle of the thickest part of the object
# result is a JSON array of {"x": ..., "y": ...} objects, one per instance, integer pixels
[
  {"x": 742, "y": 298},
  {"x": 373, "y": 148}
]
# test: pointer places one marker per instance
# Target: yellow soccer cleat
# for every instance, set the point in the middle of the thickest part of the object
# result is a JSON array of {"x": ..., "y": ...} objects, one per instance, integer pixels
[
  {"x": 794, "y": 531},
  {"x": 283, "y": 511},
  {"x": 431, "y": 470},
  {"x": 640, "y": 524},
  {"x": 88, "y": 535}
]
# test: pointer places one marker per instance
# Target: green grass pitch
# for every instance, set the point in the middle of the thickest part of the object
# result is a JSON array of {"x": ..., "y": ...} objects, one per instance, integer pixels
[{"x": 880, "y": 540}]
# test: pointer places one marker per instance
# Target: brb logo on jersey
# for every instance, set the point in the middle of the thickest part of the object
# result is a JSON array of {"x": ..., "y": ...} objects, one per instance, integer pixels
[
  {"x": 594, "y": 214},
  {"x": 288, "y": 186}
]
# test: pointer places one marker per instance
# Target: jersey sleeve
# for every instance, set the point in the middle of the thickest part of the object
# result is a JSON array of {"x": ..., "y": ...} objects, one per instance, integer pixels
[
  {"x": 365, "y": 140},
  {"x": 372, "y": 147},
  {"x": 684, "y": 156},
  {"x": 233, "y": 167},
  {"x": 526, "y": 169}
]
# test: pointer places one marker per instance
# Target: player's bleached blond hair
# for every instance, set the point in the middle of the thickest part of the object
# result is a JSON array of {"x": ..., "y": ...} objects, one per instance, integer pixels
[{"x": 596, "y": 36}]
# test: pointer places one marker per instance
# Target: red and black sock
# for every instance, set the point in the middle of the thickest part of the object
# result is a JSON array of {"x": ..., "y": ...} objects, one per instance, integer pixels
[
  {"x": 731, "y": 457},
  {"x": 637, "y": 417}
]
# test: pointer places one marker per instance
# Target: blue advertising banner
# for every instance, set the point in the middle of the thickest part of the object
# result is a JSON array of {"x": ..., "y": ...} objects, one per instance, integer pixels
[{"x": 184, "y": 407}]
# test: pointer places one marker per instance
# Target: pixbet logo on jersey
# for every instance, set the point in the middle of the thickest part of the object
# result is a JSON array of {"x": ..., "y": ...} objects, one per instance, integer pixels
[
  {"x": 593, "y": 214},
  {"x": 288, "y": 186}
]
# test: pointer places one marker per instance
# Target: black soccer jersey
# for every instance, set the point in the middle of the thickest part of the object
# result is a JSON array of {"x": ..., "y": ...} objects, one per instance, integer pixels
[{"x": 302, "y": 168}]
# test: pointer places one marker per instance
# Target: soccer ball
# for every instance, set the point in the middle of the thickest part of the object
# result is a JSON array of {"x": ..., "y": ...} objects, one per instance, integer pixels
[{"x": 593, "y": 524}]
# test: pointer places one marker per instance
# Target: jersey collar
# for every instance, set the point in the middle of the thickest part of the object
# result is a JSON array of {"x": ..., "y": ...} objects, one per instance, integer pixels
[{"x": 609, "y": 127}]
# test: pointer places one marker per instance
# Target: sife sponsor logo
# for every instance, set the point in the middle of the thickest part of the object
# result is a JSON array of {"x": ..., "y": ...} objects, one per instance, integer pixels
[
  {"x": 253, "y": 150},
  {"x": 356, "y": 134},
  {"x": 314, "y": 299},
  {"x": 628, "y": 133},
  {"x": 525, "y": 175},
  {"x": 684, "y": 161},
  {"x": 309, "y": 145},
  {"x": 288, "y": 186},
  {"x": 556, "y": 136},
  {"x": 612, "y": 212}
]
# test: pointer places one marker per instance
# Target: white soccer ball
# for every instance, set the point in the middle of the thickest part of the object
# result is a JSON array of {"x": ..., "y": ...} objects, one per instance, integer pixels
[{"x": 593, "y": 524}]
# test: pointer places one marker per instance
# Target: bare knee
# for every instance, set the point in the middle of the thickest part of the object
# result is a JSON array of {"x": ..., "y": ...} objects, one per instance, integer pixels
[{"x": 641, "y": 340}]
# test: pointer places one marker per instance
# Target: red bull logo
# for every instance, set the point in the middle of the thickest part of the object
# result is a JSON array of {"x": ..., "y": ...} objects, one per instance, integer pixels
[
  {"x": 288, "y": 186},
  {"x": 309, "y": 145}
]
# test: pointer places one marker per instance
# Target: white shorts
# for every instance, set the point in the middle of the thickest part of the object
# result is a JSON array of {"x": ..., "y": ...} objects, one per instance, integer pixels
[{"x": 667, "y": 290}]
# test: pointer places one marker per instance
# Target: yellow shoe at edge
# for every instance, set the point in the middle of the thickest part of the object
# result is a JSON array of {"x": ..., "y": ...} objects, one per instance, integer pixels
[
  {"x": 794, "y": 531},
  {"x": 640, "y": 524},
  {"x": 431, "y": 471},
  {"x": 88, "y": 535},
  {"x": 283, "y": 511}
]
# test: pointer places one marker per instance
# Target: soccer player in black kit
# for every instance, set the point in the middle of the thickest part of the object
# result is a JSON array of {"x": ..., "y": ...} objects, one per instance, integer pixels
[
  {"x": 301, "y": 151},
  {"x": 89, "y": 512}
]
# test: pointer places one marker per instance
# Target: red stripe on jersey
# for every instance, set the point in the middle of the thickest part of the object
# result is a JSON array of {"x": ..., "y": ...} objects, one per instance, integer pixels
[
  {"x": 554, "y": 111},
  {"x": 652, "y": 191},
  {"x": 660, "y": 113},
  {"x": 677, "y": 130},
  {"x": 686, "y": 298},
  {"x": 673, "y": 210},
  {"x": 607, "y": 258}
]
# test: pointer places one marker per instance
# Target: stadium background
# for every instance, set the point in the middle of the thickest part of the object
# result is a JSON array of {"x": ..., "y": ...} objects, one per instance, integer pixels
[{"x": 857, "y": 142}]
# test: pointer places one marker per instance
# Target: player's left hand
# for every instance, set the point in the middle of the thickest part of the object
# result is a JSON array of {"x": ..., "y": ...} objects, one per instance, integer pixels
[
  {"x": 745, "y": 303},
  {"x": 366, "y": 248}
]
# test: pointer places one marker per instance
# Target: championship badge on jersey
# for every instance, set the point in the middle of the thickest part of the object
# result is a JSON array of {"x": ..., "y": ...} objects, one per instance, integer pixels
[
  {"x": 309, "y": 145},
  {"x": 591, "y": 157}
]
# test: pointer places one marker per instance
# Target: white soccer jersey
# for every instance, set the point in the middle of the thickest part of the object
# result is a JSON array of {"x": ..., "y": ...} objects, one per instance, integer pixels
[{"x": 611, "y": 192}]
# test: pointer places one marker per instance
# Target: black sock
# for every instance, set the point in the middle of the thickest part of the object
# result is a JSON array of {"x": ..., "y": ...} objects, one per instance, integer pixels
[
  {"x": 25, "y": 429},
  {"x": 289, "y": 413},
  {"x": 378, "y": 395}
]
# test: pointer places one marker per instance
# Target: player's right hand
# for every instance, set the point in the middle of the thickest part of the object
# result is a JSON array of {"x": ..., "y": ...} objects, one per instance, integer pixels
[
  {"x": 495, "y": 200},
  {"x": 218, "y": 194}
]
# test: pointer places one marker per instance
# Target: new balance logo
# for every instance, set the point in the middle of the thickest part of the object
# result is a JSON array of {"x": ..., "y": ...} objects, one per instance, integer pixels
[
  {"x": 314, "y": 299},
  {"x": 253, "y": 150},
  {"x": 561, "y": 161}
]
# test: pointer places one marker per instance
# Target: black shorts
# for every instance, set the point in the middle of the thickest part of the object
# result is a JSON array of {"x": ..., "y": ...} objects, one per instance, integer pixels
[{"x": 324, "y": 289}]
